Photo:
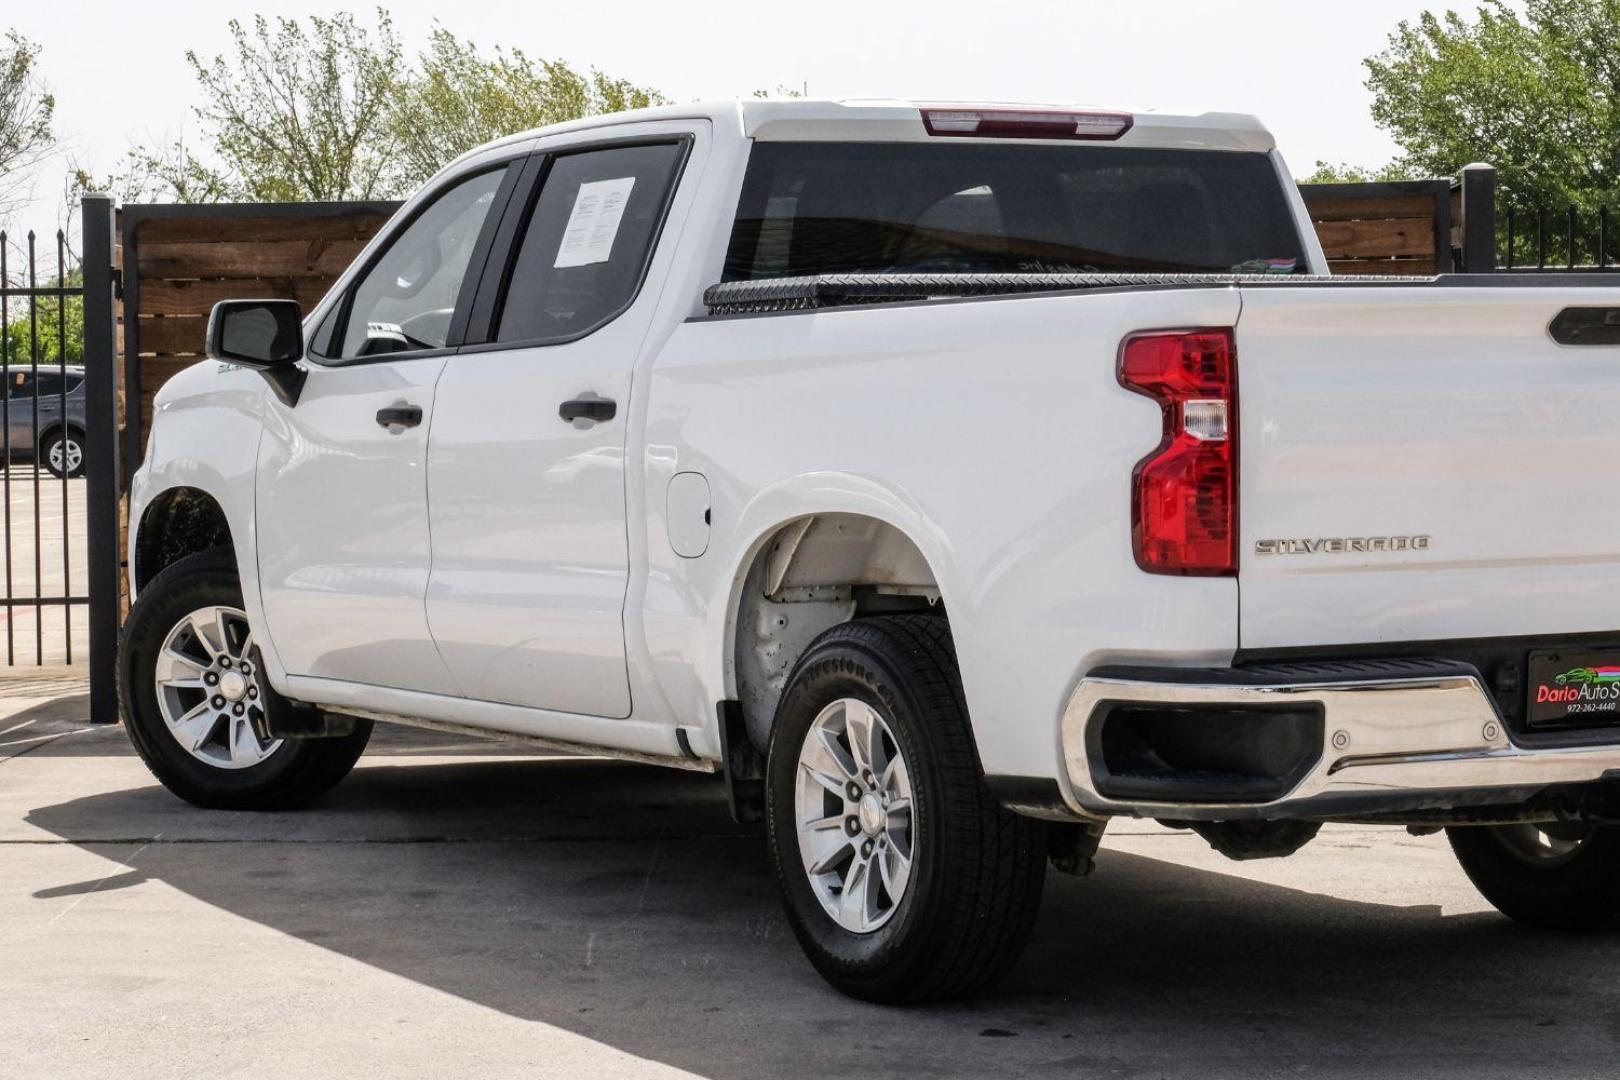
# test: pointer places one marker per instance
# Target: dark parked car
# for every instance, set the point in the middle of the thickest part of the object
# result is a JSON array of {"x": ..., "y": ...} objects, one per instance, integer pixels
[{"x": 58, "y": 440}]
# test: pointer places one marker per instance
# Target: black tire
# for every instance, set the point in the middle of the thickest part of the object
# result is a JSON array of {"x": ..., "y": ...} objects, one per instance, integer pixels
[
  {"x": 295, "y": 773},
  {"x": 977, "y": 870},
  {"x": 62, "y": 438},
  {"x": 1578, "y": 891}
]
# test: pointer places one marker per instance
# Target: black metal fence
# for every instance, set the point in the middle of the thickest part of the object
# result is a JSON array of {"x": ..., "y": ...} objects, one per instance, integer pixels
[
  {"x": 1564, "y": 240},
  {"x": 42, "y": 442},
  {"x": 60, "y": 590}
]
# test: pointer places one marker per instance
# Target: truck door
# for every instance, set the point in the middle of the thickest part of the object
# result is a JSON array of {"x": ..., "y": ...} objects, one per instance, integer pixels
[
  {"x": 341, "y": 490},
  {"x": 526, "y": 463}
]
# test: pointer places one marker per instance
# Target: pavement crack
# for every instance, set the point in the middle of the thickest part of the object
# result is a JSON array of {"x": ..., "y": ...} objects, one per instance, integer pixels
[
  {"x": 36, "y": 743},
  {"x": 77, "y": 900}
]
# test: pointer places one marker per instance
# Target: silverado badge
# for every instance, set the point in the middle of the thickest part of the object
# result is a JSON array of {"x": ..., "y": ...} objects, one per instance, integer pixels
[{"x": 1341, "y": 545}]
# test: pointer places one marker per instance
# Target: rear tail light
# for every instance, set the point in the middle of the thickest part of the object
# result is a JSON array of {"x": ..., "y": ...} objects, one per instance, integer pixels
[
  {"x": 1026, "y": 123},
  {"x": 1184, "y": 494}
]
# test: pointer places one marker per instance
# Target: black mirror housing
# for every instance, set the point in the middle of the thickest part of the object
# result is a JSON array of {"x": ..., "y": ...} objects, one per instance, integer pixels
[
  {"x": 256, "y": 333},
  {"x": 266, "y": 335}
]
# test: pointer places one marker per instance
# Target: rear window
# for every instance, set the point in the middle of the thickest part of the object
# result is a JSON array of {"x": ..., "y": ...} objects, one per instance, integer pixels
[
  {"x": 24, "y": 384},
  {"x": 895, "y": 208}
]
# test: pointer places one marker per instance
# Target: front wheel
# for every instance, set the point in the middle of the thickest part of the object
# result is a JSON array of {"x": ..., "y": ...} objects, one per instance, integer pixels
[
  {"x": 197, "y": 707},
  {"x": 904, "y": 878},
  {"x": 1559, "y": 876}
]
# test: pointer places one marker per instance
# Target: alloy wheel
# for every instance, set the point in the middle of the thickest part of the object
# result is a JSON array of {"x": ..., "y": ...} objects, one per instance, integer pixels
[
  {"x": 66, "y": 455},
  {"x": 209, "y": 690},
  {"x": 853, "y": 803}
]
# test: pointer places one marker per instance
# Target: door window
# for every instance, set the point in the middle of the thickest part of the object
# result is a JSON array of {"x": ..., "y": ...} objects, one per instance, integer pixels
[
  {"x": 405, "y": 301},
  {"x": 588, "y": 240}
]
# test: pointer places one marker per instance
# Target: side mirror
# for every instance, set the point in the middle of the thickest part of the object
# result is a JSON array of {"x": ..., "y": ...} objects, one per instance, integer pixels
[{"x": 266, "y": 335}]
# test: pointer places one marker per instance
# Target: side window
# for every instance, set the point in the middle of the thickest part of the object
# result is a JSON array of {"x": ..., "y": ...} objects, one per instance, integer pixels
[
  {"x": 405, "y": 301},
  {"x": 587, "y": 242}
]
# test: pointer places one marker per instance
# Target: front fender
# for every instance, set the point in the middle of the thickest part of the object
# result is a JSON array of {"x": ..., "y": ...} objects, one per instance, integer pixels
[{"x": 206, "y": 423}]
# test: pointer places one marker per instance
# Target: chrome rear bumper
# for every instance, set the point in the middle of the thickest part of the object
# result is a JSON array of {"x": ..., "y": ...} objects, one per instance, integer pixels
[{"x": 1388, "y": 745}]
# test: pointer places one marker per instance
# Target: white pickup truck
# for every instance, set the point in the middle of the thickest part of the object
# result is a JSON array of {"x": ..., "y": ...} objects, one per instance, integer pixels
[{"x": 951, "y": 479}]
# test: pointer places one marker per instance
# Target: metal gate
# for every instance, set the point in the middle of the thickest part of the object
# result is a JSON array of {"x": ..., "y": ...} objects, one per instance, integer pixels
[
  {"x": 42, "y": 447},
  {"x": 58, "y": 377}
]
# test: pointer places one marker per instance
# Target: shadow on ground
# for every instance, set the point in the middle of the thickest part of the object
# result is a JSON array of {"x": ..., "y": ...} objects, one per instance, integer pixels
[{"x": 620, "y": 902}]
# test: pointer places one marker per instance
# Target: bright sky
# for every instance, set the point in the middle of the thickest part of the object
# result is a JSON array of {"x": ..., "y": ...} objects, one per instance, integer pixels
[{"x": 120, "y": 77}]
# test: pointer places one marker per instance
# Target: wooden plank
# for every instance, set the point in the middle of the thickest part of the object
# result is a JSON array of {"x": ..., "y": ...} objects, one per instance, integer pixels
[
  {"x": 249, "y": 258},
  {"x": 351, "y": 226},
  {"x": 1355, "y": 239},
  {"x": 1367, "y": 207},
  {"x": 156, "y": 370},
  {"x": 1393, "y": 267},
  {"x": 173, "y": 334},
  {"x": 171, "y": 297}
]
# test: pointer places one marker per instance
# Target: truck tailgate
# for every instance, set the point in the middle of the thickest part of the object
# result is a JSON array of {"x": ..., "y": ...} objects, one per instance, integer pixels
[{"x": 1424, "y": 462}]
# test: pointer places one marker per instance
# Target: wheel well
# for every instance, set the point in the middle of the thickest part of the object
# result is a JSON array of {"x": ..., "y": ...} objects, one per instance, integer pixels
[
  {"x": 810, "y": 575},
  {"x": 181, "y": 521},
  {"x": 52, "y": 428}
]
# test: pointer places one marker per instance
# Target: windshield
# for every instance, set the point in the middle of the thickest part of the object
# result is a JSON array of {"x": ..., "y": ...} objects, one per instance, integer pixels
[{"x": 897, "y": 208}]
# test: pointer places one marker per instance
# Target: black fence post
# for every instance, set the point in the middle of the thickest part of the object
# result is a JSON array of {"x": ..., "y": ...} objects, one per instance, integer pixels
[
  {"x": 1479, "y": 219},
  {"x": 102, "y": 483}
]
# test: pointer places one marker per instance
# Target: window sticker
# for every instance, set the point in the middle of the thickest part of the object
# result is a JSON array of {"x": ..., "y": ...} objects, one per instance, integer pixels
[{"x": 594, "y": 222}]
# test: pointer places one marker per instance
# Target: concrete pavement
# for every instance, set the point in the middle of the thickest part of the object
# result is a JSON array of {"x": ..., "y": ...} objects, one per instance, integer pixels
[
  {"x": 50, "y": 634},
  {"x": 456, "y": 910}
]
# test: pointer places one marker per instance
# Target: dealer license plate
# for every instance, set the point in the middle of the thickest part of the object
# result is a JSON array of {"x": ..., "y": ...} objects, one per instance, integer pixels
[{"x": 1573, "y": 689}]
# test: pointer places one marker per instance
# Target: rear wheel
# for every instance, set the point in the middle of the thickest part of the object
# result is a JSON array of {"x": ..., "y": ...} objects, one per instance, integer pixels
[
  {"x": 198, "y": 707},
  {"x": 904, "y": 878},
  {"x": 64, "y": 453},
  {"x": 1561, "y": 876}
]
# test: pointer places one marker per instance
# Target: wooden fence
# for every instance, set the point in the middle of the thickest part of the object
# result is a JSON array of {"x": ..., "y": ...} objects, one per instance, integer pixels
[
  {"x": 1390, "y": 228},
  {"x": 178, "y": 261}
]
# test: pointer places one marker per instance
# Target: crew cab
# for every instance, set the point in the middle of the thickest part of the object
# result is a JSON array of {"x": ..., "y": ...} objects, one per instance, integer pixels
[{"x": 950, "y": 479}]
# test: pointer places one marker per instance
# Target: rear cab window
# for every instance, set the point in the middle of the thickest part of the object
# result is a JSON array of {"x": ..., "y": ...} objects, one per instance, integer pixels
[{"x": 913, "y": 208}]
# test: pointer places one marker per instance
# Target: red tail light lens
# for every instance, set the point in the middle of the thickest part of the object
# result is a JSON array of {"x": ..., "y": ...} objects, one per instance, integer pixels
[{"x": 1184, "y": 494}]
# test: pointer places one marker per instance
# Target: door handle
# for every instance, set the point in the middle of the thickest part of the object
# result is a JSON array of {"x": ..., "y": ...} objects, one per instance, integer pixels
[
  {"x": 594, "y": 409},
  {"x": 402, "y": 415}
]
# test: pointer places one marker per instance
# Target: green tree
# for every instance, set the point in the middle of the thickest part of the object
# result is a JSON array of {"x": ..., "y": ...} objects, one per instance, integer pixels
[
  {"x": 299, "y": 112},
  {"x": 56, "y": 341},
  {"x": 1537, "y": 95},
  {"x": 458, "y": 98},
  {"x": 172, "y": 173},
  {"x": 1326, "y": 172},
  {"x": 26, "y": 111}
]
